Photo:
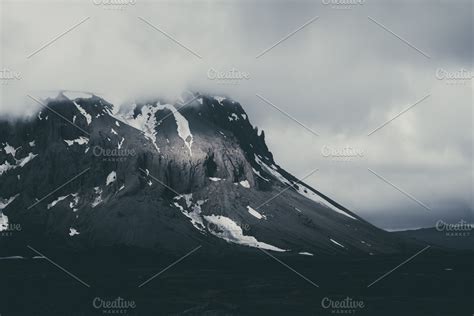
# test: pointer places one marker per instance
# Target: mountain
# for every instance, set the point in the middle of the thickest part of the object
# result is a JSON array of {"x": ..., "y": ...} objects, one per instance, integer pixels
[
  {"x": 84, "y": 175},
  {"x": 460, "y": 239}
]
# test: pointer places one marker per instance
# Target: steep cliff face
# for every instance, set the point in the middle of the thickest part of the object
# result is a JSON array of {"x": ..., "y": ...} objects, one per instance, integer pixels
[{"x": 154, "y": 177}]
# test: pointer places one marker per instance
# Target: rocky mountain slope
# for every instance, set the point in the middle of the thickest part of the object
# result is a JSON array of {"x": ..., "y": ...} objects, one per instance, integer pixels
[{"x": 149, "y": 176}]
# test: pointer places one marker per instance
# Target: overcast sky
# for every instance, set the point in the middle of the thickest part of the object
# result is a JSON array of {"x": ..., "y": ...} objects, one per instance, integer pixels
[{"x": 342, "y": 72}]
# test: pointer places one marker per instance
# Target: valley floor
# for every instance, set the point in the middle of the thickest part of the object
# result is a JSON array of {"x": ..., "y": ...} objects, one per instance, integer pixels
[{"x": 254, "y": 284}]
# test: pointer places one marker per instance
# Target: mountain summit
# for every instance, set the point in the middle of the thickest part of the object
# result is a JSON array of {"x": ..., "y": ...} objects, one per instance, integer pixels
[{"x": 165, "y": 176}]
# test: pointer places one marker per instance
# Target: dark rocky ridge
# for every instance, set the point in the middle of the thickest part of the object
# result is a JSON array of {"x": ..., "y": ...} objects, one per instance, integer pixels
[{"x": 141, "y": 207}]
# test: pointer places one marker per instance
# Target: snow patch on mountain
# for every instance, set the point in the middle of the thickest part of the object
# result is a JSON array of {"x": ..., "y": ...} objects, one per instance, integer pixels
[
  {"x": 225, "y": 228},
  {"x": 219, "y": 99},
  {"x": 145, "y": 121},
  {"x": 98, "y": 198},
  {"x": 59, "y": 199},
  {"x": 9, "y": 149},
  {"x": 184, "y": 131},
  {"x": 3, "y": 218},
  {"x": 23, "y": 161},
  {"x": 335, "y": 242},
  {"x": 84, "y": 113},
  {"x": 18, "y": 163},
  {"x": 245, "y": 184},
  {"x": 188, "y": 198},
  {"x": 254, "y": 213},
  {"x": 73, "y": 232},
  {"x": 259, "y": 175},
  {"x": 233, "y": 117},
  {"x": 271, "y": 171},
  {"x": 5, "y": 167},
  {"x": 119, "y": 145},
  {"x": 80, "y": 141},
  {"x": 3, "y": 222},
  {"x": 111, "y": 178},
  {"x": 192, "y": 210},
  {"x": 75, "y": 201}
]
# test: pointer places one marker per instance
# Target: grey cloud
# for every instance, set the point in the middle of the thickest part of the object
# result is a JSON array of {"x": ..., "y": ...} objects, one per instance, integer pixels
[{"x": 342, "y": 75}]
